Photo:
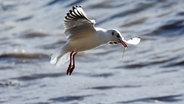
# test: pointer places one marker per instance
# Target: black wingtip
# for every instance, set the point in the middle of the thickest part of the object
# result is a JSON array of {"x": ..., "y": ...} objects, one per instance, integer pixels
[
  {"x": 76, "y": 6},
  {"x": 75, "y": 13},
  {"x": 73, "y": 7},
  {"x": 70, "y": 11},
  {"x": 66, "y": 18},
  {"x": 68, "y": 15}
]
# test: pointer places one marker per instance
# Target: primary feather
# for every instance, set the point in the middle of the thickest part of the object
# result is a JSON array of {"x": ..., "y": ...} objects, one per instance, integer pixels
[{"x": 77, "y": 20}]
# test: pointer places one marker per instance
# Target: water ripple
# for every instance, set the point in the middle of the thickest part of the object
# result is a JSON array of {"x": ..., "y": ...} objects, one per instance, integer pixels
[
  {"x": 32, "y": 30},
  {"x": 167, "y": 98},
  {"x": 113, "y": 87},
  {"x": 39, "y": 76},
  {"x": 8, "y": 83},
  {"x": 171, "y": 28},
  {"x": 70, "y": 98},
  {"x": 138, "y": 8}
]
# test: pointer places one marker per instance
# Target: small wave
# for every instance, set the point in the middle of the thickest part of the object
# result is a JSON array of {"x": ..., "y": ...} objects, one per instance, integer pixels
[
  {"x": 33, "y": 34},
  {"x": 52, "y": 2},
  {"x": 106, "y": 4},
  {"x": 24, "y": 18},
  {"x": 113, "y": 87},
  {"x": 6, "y": 6},
  {"x": 4, "y": 67},
  {"x": 38, "y": 76},
  {"x": 54, "y": 45},
  {"x": 174, "y": 64},
  {"x": 24, "y": 55},
  {"x": 105, "y": 75},
  {"x": 8, "y": 83},
  {"x": 138, "y": 8},
  {"x": 180, "y": 13},
  {"x": 131, "y": 22},
  {"x": 167, "y": 98},
  {"x": 170, "y": 28},
  {"x": 20, "y": 58},
  {"x": 146, "y": 64},
  {"x": 70, "y": 98},
  {"x": 76, "y": 2}
]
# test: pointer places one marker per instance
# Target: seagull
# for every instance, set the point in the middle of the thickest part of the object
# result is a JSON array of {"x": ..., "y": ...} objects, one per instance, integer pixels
[{"x": 83, "y": 35}]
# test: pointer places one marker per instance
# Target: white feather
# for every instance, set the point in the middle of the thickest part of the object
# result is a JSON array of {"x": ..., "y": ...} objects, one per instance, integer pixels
[
  {"x": 65, "y": 58},
  {"x": 133, "y": 41},
  {"x": 59, "y": 57}
]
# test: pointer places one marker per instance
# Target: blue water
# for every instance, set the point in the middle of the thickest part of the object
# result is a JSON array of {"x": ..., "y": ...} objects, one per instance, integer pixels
[{"x": 150, "y": 73}]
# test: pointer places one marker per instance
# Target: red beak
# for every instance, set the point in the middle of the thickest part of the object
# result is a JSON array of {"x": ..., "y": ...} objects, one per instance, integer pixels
[{"x": 123, "y": 43}]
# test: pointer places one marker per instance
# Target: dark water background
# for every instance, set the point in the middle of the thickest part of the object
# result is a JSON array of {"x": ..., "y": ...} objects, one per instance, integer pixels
[{"x": 150, "y": 73}]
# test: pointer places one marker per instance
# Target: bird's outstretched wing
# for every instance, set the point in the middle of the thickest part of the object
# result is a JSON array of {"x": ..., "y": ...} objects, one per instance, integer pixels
[{"x": 77, "y": 24}]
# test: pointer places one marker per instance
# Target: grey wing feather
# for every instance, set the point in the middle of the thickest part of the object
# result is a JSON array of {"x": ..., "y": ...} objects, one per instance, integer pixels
[{"x": 77, "y": 23}]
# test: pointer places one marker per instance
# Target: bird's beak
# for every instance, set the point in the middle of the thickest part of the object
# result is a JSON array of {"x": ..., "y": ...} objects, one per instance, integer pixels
[{"x": 123, "y": 43}]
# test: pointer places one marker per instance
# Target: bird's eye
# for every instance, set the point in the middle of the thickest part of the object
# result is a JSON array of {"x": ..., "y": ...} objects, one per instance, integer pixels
[
  {"x": 118, "y": 36},
  {"x": 112, "y": 33}
]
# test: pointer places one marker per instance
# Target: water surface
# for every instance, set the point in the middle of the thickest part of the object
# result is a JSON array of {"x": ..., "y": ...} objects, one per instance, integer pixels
[{"x": 150, "y": 73}]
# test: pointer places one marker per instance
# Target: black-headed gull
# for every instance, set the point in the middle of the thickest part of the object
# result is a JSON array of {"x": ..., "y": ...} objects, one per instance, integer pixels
[{"x": 82, "y": 35}]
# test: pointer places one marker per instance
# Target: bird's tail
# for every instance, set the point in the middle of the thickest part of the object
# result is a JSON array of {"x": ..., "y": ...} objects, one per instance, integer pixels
[{"x": 59, "y": 57}]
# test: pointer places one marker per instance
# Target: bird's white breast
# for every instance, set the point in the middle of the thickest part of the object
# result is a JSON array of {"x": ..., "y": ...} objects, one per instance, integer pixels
[{"x": 85, "y": 43}]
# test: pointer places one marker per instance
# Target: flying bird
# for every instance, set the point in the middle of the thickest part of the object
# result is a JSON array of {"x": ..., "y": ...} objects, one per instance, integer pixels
[{"x": 83, "y": 35}]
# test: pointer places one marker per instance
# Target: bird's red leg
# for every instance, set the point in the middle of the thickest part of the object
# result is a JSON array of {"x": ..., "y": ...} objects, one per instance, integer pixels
[
  {"x": 70, "y": 65},
  {"x": 73, "y": 63}
]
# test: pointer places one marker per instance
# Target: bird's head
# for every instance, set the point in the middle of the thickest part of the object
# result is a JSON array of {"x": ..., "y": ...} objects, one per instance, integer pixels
[{"x": 116, "y": 38}]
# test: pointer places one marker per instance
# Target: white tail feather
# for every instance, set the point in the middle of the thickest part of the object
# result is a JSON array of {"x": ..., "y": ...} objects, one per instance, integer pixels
[
  {"x": 62, "y": 60},
  {"x": 60, "y": 57}
]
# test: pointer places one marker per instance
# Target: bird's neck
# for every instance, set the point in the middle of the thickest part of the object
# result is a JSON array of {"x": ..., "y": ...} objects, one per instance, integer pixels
[{"x": 103, "y": 36}]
